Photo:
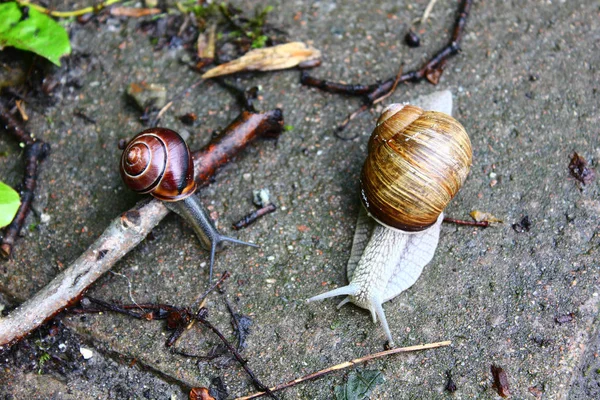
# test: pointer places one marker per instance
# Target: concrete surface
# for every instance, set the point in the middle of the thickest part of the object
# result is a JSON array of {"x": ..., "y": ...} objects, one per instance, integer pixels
[{"x": 526, "y": 89}]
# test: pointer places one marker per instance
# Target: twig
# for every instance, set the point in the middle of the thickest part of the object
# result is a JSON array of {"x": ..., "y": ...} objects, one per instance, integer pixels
[
  {"x": 260, "y": 386},
  {"x": 199, "y": 304},
  {"x": 129, "y": 229},
  {"x": 427, "y": 11},
  {"x": 154, "y": 122},
  {"x": 68, "y": 14},
  {"x": 347, "y": 364},
  {"x": 35, "y": 151},
  {"x": 431, "y": 70},
  {"x": 253, "y": 216},
  {"x": 483, "y": 224}
]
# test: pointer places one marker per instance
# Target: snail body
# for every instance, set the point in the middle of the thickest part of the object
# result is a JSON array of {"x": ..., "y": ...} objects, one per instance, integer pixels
[
  {"x": 417, "y": 161},
  {"x": 158, "y": 161}
]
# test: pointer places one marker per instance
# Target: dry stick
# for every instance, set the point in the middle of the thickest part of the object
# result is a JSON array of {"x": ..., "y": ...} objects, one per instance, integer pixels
[
  {"x": 347, "y": 364},
  {"x": 483, "y": 224},
  {"x": 431, "y": 70},
  {"x": 253, "y": 216},
  {"x": 35, "y": 151},
  {"x": 260, "y": 386},
  {"x": 129, "y": 229}
]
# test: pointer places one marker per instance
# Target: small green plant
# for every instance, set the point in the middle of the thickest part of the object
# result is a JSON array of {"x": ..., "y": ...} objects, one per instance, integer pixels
[
  {"x": 9, "y": 204},
  {"x": 41, "y": 361}
]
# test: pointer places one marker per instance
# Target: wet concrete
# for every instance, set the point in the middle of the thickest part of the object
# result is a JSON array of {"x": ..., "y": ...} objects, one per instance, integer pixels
[{"x": 526, "y": 89}]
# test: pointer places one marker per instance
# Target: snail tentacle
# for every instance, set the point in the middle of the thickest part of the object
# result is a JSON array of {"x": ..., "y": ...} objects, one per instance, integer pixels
[{"x": 193, "y": 212}]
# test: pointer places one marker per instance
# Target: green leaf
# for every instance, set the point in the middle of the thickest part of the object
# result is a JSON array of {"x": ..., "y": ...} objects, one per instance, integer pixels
[
  {"x": 33, "y": 31},
  {"x": 9, "y": 204},
  {"x": 359, "y": 385}
]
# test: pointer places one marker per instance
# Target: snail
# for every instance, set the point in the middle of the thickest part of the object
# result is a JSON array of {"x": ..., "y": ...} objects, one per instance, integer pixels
[
  {"x": 417, "y": 161},
  {"x": 158, "y": 161}
]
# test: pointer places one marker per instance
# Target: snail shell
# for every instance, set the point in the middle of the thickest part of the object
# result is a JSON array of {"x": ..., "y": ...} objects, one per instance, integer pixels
[
  {"x": 158, "y": 161},
  {"x": 417, "y": 162}
]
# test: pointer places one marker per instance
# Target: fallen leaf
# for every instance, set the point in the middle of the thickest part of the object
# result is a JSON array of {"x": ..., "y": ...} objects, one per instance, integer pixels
[
  {"x": 359, "y": 385},
  {"x": 283, "y": 56}
]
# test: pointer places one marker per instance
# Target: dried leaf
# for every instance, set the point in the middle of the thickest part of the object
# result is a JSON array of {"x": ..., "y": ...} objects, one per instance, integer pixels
[
  {"x": 484, "y": 216},
  {"x": 359, "y": 385},
  {"x": 200, "y": 393},
  {"x": 133, "y": 12},
  {"x": 579, "y": 169},
  {"x": 500, "y": 381},
  {"x": 283, "y": 56}
]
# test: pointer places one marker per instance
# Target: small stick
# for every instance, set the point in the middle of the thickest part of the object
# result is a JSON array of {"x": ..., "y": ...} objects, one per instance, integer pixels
[
  {"x": 199, "y": 302},
  {"x": 427, "y": 11},
  {"x": 35, "y": 152},
  {"x": 244, "y": 363},
  {"x": 253, "y": 216},
  {"x": 348, "y": 364},
  {"x": 431, "y": 70},
  {"x": 392, "y": 90},
  {"x": 67, "y": 14},
  {"x": 483, "y": 224}
]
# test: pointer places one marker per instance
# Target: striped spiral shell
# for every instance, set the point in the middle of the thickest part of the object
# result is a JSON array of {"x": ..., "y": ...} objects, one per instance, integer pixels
[
  {"x": 417, "y": 162},
  {"x": 158, "y": 161}
]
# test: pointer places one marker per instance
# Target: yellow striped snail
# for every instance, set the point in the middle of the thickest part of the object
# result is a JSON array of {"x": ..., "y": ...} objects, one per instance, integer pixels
[{"x": 417, "y": 161}]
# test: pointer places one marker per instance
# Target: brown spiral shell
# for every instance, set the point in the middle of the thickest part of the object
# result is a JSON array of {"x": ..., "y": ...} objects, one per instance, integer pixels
[
  {"x": 417, "y": 162},
  {"x": 158, "y": 161}
]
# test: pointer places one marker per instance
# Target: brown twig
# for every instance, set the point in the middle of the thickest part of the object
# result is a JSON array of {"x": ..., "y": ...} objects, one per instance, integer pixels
[
  {"x": 483, "y": 224},
  {"x": 35, "y": 152},
  {"x": 347, "y": 364},
  {"x": 431, "y": 70},
  {"x": 200, "y": 317},
  {"x": 253, "y": 216},
  {"x": 129, "y": 229}
]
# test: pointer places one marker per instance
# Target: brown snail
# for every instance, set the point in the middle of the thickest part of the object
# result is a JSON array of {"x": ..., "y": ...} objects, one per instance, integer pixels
[
  {"x": 158, "y": 161},
  {"x": 417, "y": 161}
]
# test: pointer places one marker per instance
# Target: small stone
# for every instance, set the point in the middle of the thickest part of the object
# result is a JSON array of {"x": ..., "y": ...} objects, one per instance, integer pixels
[
  {"x": 261, "y": 197},
  {"x": 148, "y": 95},
  {"x": 86, "y": 353},
  {"x": 45, "y": 218}
]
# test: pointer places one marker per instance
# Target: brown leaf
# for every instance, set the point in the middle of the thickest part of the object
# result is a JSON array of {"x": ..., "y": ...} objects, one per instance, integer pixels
[
  {"x": 500, "y": 381},
  {"x": 580, "y": 170},
  {"x": 200, "y": 393},
  {"x": 282, "y": 56}
]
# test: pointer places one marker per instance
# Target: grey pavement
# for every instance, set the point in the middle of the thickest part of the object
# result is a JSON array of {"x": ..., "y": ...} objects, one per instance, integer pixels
[{"x": 526, "y": 87}]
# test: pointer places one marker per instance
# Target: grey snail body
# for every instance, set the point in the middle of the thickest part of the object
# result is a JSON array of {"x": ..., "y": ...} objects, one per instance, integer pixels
[{"x": 417, "y": 162}]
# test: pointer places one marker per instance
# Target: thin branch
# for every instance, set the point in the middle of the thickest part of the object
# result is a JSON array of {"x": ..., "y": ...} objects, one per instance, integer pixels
[
  {"x": 347, "y": 364},
  {"x": 253, "y": 216},
  {"x": 129, "y": 229},
  {"x": 483, "y": 224},
  {"x": 431, "y": 70},
  {"x": 260, "y": 386},
  {"x": 68, "y": 14},
  {"x": 35, "y": 152}
]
